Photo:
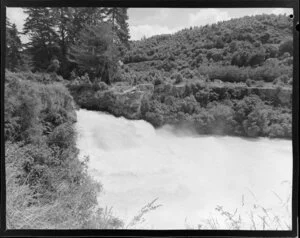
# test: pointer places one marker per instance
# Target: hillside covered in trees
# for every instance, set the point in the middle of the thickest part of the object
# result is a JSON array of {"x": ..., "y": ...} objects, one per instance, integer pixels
[{"x": 255, "y": 50}]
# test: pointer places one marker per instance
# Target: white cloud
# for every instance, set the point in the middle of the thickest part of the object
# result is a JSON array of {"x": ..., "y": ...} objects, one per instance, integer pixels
[
  {"x": 207, "y": 16},
  {"x": 164, "y": 13},
  {"x": 279, "y": 11},
  {"x": 137, "y": 32},
  {"x": 202, "y": 17}
]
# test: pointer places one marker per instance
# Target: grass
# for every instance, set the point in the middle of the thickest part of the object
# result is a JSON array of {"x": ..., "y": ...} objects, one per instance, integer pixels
[
  {"x": 252, "y": 217},
  {"x": 140, "y": 217}
]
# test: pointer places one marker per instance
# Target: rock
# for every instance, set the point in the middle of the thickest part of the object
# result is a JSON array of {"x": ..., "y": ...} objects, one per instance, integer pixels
[
  {"x": 128, "y": 104},
  {"x": 118, "y": 100}
]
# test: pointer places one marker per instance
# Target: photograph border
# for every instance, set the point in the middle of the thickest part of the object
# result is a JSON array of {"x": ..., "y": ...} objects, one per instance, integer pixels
[{"x": 160, "y": 4}]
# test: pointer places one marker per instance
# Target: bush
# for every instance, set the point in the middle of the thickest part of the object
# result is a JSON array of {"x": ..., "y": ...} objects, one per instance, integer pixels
[
  {"x": 269, "y": 72},
  {"x": 154, "y": 118},
  {"x": 248, "y": 82},
  {"x": 225, "y": 73},
  {"x": 281, "y": 79},
  {"x": 178, "y": 78},
  {"x": 100, "y": 86},
  {"x": 286, "y": 46},
  {"x": 157, "y": 82}
]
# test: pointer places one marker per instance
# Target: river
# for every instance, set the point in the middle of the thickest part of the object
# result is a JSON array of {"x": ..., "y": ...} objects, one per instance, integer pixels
[{"x": 189, "y": 174}]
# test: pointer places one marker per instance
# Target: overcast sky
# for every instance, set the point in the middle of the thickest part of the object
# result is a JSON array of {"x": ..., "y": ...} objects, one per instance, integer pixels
[{"x": 153, "y": 21}]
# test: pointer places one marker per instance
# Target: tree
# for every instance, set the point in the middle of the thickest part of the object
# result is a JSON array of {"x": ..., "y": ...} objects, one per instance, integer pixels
[
  {"x": 118, "y": 18},
  {"x": 94, "y": 52},
  {"x": 69, "y": 22},
  {"x": 84, "y": 16},
  {"x": 13, "y": 47},
  {"x": 63, "y": 19},
  {"x": 40, "y": 26}
]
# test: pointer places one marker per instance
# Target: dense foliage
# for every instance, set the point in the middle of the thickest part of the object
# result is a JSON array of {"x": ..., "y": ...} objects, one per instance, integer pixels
[
  {"x": 52, "y": 32},
  {"x": 257, "y": 48},
  {"x": 95, "y": 54},
  {"x": 13, "y": 47},
  {"x": 47, "y": 184},
  {"x": 210, "y": 111}
]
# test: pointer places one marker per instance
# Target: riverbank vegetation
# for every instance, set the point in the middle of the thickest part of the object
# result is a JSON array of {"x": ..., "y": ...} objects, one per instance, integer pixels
[{"x": 48, "y": 187}]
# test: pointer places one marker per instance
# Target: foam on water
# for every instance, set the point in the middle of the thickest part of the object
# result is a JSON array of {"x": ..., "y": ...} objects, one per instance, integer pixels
[{"x": 190, "y": 174}]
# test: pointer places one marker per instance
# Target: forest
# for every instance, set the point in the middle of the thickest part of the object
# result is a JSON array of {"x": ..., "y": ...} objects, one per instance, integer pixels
[{"x": 230, "y": 78}]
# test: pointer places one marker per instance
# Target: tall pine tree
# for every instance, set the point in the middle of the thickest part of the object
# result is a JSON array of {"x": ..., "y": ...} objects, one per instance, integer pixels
[
  {"x": 94, "y": 52},
  {"x": 52, "y": 32},
  {"x": 13, "y": 47},
  {"x": 118, "y": 18},
  {"x": 69, "y": 22},
  {"x": 63, "y": 18},
  {"x": 44, "y": 42}
]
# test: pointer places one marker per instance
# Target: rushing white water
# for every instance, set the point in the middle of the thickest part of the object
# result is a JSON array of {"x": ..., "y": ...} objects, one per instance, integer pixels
[{"x": 189, "y": 174}]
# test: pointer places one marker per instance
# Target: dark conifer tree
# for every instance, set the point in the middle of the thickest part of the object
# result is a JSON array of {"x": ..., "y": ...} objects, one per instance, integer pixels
[
  {"x": 44, "y": 42},
  {"x": 13, "y": 47},
  {"x": 94, "y": 52},
  {"x": 118, "y": 18}
]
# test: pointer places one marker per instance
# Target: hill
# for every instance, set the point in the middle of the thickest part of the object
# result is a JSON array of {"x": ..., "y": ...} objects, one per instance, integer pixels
[{"x": 257, "y": 49}]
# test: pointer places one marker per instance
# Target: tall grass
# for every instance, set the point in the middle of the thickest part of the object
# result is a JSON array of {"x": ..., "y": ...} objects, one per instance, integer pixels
[
  {"x": 254, "y": 216},
  {"x": 140, "y": 217}
]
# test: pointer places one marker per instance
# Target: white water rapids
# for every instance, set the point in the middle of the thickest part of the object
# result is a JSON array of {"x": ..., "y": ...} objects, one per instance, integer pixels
[{"x": 189, "y": 174}]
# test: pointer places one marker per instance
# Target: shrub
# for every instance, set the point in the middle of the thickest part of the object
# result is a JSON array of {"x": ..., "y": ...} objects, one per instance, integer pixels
[
  {"x": 271, "y": 51},
  {"x": 269, "y": 72},
  {"x": 248, "y": 82},
  {"x": 157, "y": 82},
  {"x": 257, "y": 58},
  {"x": 286, "y": 46},
  {"x": 178, "y": 78},
  {"x": 225, "y": 73},
  {"x": 154, "y": 118},
  {"x": 283, "y": 79},
  {"x": 100, "y": 86}
]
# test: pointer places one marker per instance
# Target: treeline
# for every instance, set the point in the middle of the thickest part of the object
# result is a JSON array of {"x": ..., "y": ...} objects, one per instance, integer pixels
[
  {"x": 69, "y": 41},
  {"x": 47, "y": 185},
  {"x": 254, "y": 48}
]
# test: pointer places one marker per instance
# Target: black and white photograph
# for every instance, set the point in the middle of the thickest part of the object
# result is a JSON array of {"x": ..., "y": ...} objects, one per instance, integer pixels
[{"x": 149, "y": 118}]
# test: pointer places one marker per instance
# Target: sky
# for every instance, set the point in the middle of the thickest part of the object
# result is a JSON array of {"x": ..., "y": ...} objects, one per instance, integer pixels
[{"x": 154, "y": 21}]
